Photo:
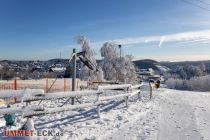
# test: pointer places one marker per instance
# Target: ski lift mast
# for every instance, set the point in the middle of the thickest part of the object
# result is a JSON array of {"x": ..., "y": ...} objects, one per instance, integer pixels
[{"x": 85, "y": 61}]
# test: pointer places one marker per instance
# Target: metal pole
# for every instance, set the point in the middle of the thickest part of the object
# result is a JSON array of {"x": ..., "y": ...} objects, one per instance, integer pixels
[
  {"x": 74, "y": 75},
  {"x": 150, "y": 88},
  {"x": 120, "y": 49}
]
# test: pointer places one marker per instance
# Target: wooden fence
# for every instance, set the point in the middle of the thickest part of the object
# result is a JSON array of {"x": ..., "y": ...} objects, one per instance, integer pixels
[{"x": 30, "y": 95}]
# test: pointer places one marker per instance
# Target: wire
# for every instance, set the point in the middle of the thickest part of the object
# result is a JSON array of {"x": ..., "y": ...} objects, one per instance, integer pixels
[{"x": 191, "y": 3}]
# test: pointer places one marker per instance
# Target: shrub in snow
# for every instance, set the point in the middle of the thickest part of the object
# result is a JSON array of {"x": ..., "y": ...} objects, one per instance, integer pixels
[
  {"x": 201, "y": 83},
  {"x": 176, "y": 84}
]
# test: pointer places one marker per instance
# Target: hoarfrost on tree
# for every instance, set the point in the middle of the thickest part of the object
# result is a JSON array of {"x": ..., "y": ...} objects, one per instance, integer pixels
[
  {"x": 117, "y": 68},
  {"x": 86, "y": 73}
]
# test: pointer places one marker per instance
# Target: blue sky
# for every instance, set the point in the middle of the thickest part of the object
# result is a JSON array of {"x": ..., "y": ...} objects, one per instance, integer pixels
[{"x": 173, "y": 30}]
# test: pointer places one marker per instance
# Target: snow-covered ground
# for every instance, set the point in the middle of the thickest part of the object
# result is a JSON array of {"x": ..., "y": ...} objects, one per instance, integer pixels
[{"x": 170, "y": 115}]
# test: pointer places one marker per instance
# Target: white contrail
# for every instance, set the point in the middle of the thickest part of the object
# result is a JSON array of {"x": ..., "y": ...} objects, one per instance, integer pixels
[
  {"x": 183, "y": 36},
  {"x": 162, "y": 39}
]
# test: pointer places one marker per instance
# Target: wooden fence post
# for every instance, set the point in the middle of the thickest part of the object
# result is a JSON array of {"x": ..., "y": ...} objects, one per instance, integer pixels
[
  {"x": 46, "y": 86},
  {"x": 77, "y": 84},
  {"x": 98, "y": 111},
  {"x": 139, "y": 95},
  {"x": 150, "y": 88},
  {"x": 126, "y": 98},
  {"x": 126, "y": 101},
  {"x": 64, "y": 86},
  {"x": 15, "y": 88},
  {"x": 15, "y": 84},
  {"x": 70, "y": 88}
]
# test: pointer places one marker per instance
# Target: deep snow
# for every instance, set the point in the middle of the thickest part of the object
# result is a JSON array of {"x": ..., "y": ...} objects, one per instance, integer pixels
[{"x": 170, "y": 115}]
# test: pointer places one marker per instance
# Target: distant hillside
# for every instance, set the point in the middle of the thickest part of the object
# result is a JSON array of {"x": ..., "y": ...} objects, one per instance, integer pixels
[
  {"x": 149, "y": 63},
  {"x": 146, "y": 64},
  {"x": 184, "y": 63}
]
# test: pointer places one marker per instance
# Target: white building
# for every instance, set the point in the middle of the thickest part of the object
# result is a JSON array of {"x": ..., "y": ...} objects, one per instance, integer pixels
[
  {"x": 58, "y": 68},
  {"x": 147, "y": 72}
]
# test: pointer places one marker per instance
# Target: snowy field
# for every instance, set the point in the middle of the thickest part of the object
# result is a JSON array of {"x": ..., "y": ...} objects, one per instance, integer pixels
[{"x": 170, "y": 115}]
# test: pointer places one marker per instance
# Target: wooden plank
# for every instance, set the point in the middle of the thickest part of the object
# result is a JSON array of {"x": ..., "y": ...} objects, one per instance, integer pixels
[
  {"x": 59, "y": 95},
  {"x": 136, "y": 86},
  {"x": 60, "y": 109},
  {"x": 20, "y": 93},
  {"x": 14, "y": 110},
  {"x": 109, "y": 87},
  {"x": 114, "y": 97}
]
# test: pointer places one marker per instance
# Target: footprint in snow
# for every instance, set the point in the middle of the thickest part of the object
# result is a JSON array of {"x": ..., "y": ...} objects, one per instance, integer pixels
[
  {"x": 178, "y": 126},
  {"x": 195, "y": 130},
  {"x": 203, "y": 110}
]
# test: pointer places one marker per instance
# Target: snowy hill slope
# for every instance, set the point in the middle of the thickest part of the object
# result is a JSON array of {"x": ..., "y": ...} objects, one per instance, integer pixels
[{"x": 171, "y": 114}]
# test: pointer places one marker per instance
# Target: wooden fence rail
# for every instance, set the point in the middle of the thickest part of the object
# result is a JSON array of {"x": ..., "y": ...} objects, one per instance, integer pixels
[{"x": 36, "y": 95}]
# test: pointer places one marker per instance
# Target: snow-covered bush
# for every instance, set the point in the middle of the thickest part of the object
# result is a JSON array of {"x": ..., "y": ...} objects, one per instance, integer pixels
[
  {"x": 201, "y": 83},
  {"x": 176, "y": 84}
]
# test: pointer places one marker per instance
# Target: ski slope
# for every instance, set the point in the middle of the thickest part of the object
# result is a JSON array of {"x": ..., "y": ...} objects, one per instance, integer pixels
[{"x": 170, "y": 115}]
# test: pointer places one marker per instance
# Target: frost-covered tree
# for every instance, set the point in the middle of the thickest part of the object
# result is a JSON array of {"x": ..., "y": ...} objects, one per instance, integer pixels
[
  {"x": 108, "y": 51},
  {"x": 183, "y": 74},
  {"x": 202, "y": 67},
  {"x": 85, "y": 72},
  {"x": 176, "y": 84},
  {"x": 201, "y": 83},
  {"x": 116, "y": 68}
]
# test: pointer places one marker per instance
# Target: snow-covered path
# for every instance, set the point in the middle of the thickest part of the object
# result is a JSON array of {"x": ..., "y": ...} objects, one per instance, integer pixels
[
  {"x": 184, "y": 115},
  {"x": 174, "y": 115}
]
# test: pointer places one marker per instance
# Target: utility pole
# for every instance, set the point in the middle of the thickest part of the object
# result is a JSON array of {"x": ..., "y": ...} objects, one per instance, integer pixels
[
  {"x": 120, "y": 46},
  {"x": 74, "y": 74}
]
